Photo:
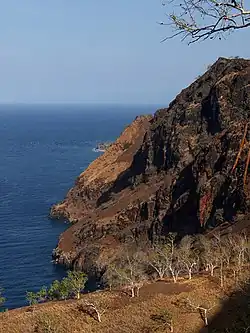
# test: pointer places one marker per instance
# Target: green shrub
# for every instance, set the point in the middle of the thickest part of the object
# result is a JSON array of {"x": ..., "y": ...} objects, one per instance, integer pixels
[
  {"x": 126, "y": 145},
  {"x": 2, "y": 299}
]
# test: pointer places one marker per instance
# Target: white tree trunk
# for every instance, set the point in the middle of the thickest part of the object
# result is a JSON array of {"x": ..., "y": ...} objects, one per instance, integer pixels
[
  {"x": 98, "y": 316},
  {"x": 132, "y": 291},
  {"x": 174, "y": 276},
  {"x": 205, "y": 317},
  {"x": 221, "y": 274},
  {"x": 212, "y": 267}
]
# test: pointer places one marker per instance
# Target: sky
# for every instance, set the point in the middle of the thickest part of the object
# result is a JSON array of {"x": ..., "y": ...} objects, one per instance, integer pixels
[{"x": 96, "y": 51}]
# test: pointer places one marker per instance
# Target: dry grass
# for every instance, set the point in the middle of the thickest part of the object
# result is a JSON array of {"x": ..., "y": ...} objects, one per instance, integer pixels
[{"x": 122, "y": 313}]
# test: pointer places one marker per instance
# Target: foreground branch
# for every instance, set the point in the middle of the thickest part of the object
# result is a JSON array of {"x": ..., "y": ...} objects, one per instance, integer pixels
[{"x": 202, "y": 19}]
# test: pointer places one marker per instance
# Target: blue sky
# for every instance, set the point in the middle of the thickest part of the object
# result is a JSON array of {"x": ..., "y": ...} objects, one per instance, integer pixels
[{"x": 96, "y": 51}]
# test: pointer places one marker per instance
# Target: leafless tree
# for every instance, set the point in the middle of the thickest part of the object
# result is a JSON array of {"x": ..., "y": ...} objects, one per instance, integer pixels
[
  {"x": 239, "y": 244},
  {"x": 203, "y": 309},
  {"x": 175, "y": 265},
  {"x": 188, "y": 256},
  {"x": 209, "y": 253},
  {"x": 219, "y": 251},
  {"x": 159, "y": 259},
  {"x": 128, "y": 272},
  {"x": 93, "y": 309},
  {"x": 205, "y": 19}
]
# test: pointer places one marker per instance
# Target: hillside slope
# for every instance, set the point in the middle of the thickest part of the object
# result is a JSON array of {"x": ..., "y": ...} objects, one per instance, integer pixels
[
  {"x": 181, "y": 173},
  {"x": 123, "y": 314}
]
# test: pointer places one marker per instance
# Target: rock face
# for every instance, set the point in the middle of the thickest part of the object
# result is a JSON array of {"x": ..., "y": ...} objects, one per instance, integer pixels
[{"x": 176, "y": 172}]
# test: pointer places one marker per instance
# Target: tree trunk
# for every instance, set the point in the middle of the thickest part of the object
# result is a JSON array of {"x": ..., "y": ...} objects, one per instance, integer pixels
[
  {"x": 173, "y": 275},
  {"x": 78, "y": 295},
  {"x": 205, "y": 317},
  {"x": 132, "y": 292},
  {"x": 190, "y": 274},
  {"x": 98, "y": 316},
  {"x": 221, "y": 274}
]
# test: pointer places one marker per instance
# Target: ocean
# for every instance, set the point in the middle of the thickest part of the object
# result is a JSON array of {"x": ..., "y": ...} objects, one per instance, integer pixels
[{"x": 43, "y": 148}]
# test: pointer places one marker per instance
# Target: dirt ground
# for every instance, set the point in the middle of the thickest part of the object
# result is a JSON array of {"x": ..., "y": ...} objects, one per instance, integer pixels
[{"x": 120, "y": 313}]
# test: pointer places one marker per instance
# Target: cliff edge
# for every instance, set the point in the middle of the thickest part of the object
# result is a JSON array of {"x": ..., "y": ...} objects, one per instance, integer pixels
[{"x": 184, "y": 171}]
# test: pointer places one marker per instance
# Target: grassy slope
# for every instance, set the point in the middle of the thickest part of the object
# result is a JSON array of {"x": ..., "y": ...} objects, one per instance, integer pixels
[{"x": 122, "y": 313}]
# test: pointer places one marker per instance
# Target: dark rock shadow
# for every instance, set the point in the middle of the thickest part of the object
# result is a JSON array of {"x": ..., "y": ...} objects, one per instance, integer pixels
[
  {"x": 211, "y": 112},
  {"x": 182, "y": 214},
  {"x": 128, "y": 178},
  {"x": 234, "y": 316}
]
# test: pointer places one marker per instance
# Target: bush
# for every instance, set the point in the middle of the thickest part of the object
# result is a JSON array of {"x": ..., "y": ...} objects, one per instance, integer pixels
[
  {"x": 70, "y": 286},
  {"x": 126, "y": 145},
  {"x": 46, "y": 323},
  {"x": 162, "y": 320},
  {"x": 2, "y": 299}
]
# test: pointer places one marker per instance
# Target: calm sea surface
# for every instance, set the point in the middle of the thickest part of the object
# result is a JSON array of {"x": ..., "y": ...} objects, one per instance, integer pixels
[{"x": 42, "y": 150}]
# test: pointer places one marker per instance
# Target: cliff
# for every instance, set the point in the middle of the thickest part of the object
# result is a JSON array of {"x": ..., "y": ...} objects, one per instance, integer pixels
[{"x": 185, "y": 171}]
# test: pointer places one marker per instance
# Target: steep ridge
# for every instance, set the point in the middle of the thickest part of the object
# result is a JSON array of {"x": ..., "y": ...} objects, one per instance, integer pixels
[{"x": 181, "y": 173}]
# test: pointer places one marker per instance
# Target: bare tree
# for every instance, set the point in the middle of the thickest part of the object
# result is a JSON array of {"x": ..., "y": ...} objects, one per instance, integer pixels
[
  {"x": 188, "y": 256},
  {"x": 92, "y": 308},
  {"x": 209, "y": 253},
  {"x": 239, "y": 244},
  {"x": 96, "y": 310},
  {"x": 219, "y": 251},
  {"x": 128, "y": 272},
  {"x": 164, "y": 258},
  {"x": 175, "y": 267},
  {"x": 205, "y": 19},
  {"x": 204, "y": 308},
  {"x": 159, "y": 259}
]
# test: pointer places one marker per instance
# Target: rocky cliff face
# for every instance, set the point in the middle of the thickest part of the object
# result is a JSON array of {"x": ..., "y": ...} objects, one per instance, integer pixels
[{"x": 180, "y": 171}]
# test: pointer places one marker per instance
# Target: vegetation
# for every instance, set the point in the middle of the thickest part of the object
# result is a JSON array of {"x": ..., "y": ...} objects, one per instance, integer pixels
[
  {"x": 162, "y": 321},
  {"x": 206, "y": 19},
  {"x": 126, "y": 145},
  {"x": 2, "y": 299},
  {"x": 222, "y": 257},
  {"x": 222, "y": 261},
  {"x": 46, "y": 323},
  {"x": 70, "y": 286},
  {"x": 127, "y": 272}
]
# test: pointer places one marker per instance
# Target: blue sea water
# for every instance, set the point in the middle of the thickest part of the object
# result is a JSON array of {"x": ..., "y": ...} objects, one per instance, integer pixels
[{"x": 42, "y": 150}]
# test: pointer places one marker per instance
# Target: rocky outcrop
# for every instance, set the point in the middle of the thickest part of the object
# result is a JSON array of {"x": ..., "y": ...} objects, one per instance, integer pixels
[
  {"x": 179, "y": 172},
  {"x": 100, "y": 175}
]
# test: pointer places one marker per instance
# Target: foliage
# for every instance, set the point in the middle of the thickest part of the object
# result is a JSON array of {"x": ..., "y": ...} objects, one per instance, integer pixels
[
  {"x": 2, "y": 299},
  {"x": 126, "y": 145},
  {"x": 75, "y": 282},
  {"x": 59, "y": 290},
  {"x": 31, "y": 298},
  {"x": 70, "y": 286},
  {"x": 205, "y": 19}
]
